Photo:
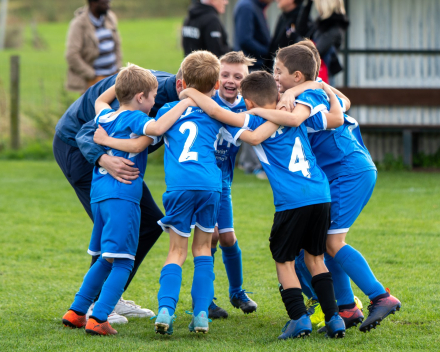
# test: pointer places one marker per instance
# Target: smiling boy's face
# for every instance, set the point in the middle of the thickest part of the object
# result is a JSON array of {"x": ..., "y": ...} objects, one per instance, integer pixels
[
  {"x": 231, "y": 76},
  {"x": 284, "y": 79}
]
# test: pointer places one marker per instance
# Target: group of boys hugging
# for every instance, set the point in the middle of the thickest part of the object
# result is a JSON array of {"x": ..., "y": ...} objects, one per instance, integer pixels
[{"x": 320, "y": 172}]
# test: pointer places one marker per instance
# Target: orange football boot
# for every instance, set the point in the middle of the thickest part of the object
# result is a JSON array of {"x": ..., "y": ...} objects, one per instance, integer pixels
[
  {"x": 73, "y": 320},
  {"x": 95, "y": 328}
]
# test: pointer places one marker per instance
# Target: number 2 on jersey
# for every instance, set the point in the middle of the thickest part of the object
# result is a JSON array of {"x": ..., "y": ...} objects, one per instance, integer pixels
[
  {"x": 298, "y": 162},
  {"x": 186, "y": 154}
]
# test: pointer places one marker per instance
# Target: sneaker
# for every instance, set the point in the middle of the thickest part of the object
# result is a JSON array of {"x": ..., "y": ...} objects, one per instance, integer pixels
[
  {"x": 73, "y": 320},
  {"x": 216, "y": 312},
  {"x": 352, "y": 317},
  {"x": 199, "y": 323},
  {"x": 113, "y": 318},
  {"x": 131, "y": 309},
  {"x": 335, "y": 327},
  {"x": 314, "y": 311},
  {"x": 261, "y": 175},
  {"x": 95, "y": 328},
  {"x": 164, "y": 322},
  {"x": 379, "y": 311},
  {"x": 358, "y": 303},
  {"x": 241, "y": 300},
  {"x": 301, "y": 327}
]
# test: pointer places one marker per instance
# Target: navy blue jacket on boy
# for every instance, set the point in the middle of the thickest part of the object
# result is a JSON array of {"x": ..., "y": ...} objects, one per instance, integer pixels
[
  {"x": 82, "y": 112},
  {"x": 251, "y": 31}
]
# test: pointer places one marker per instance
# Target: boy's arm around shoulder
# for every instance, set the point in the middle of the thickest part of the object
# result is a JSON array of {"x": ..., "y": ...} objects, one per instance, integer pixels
[
  {"x": 335, "y": 117},
  {"x": 135, "y": 145},
  {"x": 260, "y": 134},
  {"x": 160, "y": 126},
  {"x": 282, "y": 117},
  {"x": 210, "y": 107},
  {"x": 104, "y": 100}
]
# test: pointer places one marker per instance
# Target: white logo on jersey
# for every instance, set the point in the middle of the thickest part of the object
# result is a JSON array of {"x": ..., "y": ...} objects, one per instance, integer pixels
[
  {"x": 191, "y": 32},
  {"x": 279, "y": 131},
  {"x": 102, "y": 171},
  {"x": 216, "y": 34}
]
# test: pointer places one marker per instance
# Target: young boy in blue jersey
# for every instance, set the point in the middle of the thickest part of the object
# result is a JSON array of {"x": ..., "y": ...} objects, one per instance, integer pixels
[
  {"x": 301, "y": 197},
  {"x": 352, "y": 174},
  {"x": 233, "y": 69},
  {"x": 115, "y": 205}
]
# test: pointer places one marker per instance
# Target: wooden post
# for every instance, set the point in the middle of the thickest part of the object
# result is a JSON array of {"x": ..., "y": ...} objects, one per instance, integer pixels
[
  {"x": 407, "y": 148},
  {"x": 15, "y": 100}
]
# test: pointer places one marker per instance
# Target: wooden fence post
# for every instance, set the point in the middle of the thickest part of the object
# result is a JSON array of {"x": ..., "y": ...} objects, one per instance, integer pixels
[{"x": 15, "y": 102}]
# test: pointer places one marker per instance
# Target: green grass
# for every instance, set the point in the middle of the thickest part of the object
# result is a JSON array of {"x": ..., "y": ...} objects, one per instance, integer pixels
[{"x": 44, "y": 237}]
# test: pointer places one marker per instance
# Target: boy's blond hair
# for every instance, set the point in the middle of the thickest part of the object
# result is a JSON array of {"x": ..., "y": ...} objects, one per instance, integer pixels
[
  {"x": 237, "y": 57},
  {"x": 309, "y": 44},
  {"x": 132, "y": 80},
  {"x": 201, "y": 70},
  {"x": 298, "y": 58}
]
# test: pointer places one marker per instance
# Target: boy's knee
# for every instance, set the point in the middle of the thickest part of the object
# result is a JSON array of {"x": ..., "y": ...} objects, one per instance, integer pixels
[{"x": 227, "y": 239}]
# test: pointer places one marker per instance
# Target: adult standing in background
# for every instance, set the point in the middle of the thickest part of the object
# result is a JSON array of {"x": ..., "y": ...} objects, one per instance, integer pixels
[
  {"x": 252, "y": 34},
  {"x": 203, "y": 30},
  {"x": 327, "y": 31},
  {"x": 285, "y": 31},
  {"x": 93, "y": 49}
]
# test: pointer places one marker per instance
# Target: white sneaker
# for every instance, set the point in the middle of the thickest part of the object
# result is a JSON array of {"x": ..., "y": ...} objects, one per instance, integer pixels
[
  {"x": 113, "y": 318},
  {"x": 131, "y": 309}
]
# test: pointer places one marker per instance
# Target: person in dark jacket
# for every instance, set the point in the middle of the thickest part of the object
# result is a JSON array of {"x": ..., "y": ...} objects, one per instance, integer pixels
[
  {"x": 327, "y": 31},
  {"x": 76, "y": 154},
  {"x": 285, "y": 31},
  {"x": 203, "y": 30},
  {"x": 252, "y": 34}
]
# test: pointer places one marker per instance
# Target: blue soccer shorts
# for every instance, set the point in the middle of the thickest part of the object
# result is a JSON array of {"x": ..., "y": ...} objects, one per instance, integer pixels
[
  {"x": 349, "y": 194},
  {"x": 116, "y": 229},
  {"x": 182, "y": 208},
  {"x": 225, "y": 220}
]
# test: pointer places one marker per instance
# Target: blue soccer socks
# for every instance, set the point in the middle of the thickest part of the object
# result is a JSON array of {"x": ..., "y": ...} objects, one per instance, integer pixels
[
  {"x": 202, "y": 290},
  {"x": 92, "y": 284},
  {"x": 170, "y": 282},
  {"x": 341, "y": 281},
  {"x": 356, "y": 267},
  {"x": 234, "y": 268},
  {"x": 113, "y": 288}
]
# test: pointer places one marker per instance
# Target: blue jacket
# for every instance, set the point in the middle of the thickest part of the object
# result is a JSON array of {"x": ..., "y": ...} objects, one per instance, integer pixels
[
  {"x": 76, "y": 127},
  {"x": 251, "y": 31}
]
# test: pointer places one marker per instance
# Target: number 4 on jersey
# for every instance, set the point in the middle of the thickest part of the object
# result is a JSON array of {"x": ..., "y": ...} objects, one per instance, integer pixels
[{"x": 298, "y": 161}]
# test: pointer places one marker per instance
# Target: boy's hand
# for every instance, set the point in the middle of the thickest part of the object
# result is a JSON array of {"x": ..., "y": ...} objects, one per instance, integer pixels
[
  {"x": 287, "y": 101},
  {"x": 184, "y": 93},
  {"x": 100, "y": 136},
  {"x": 120, "y": 168},
  {"x": 190, "y": 102}
]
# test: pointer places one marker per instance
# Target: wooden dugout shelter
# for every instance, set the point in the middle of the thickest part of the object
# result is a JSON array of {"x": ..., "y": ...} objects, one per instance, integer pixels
[{"x": 391, "y": 60}]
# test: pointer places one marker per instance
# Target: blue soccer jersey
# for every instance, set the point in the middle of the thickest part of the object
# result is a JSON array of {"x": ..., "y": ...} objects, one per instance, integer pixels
[
  {"x": 189, "y": 161},
  {"x": 226, "y": 152},
  {"x": 125, "y": 125},
  {"x": 290, "y": 165},
  {"x": 339, "y": 151}
]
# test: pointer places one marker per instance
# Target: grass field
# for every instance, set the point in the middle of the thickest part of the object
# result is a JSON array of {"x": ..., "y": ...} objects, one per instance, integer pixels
[{"x": 44, "y": 237}]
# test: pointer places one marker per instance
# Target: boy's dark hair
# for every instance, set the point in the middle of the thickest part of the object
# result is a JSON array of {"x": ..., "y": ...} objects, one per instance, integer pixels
[
  {"x": 298, "y": 58},
  {"x": 309, "y": 44},
  {"x": 201, "y": 70},
  {"x": 259, "y": 87}
]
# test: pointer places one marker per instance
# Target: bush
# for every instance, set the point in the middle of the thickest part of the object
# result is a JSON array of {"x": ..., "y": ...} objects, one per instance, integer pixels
[{"x": 36, "y": 150}]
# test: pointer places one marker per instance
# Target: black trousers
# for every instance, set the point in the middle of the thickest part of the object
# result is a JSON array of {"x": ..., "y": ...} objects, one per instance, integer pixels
[{"x": 79, "y": 171}]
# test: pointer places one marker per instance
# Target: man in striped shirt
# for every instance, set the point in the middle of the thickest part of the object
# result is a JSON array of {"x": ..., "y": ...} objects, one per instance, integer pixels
[{"x": 93, "y": 45}]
